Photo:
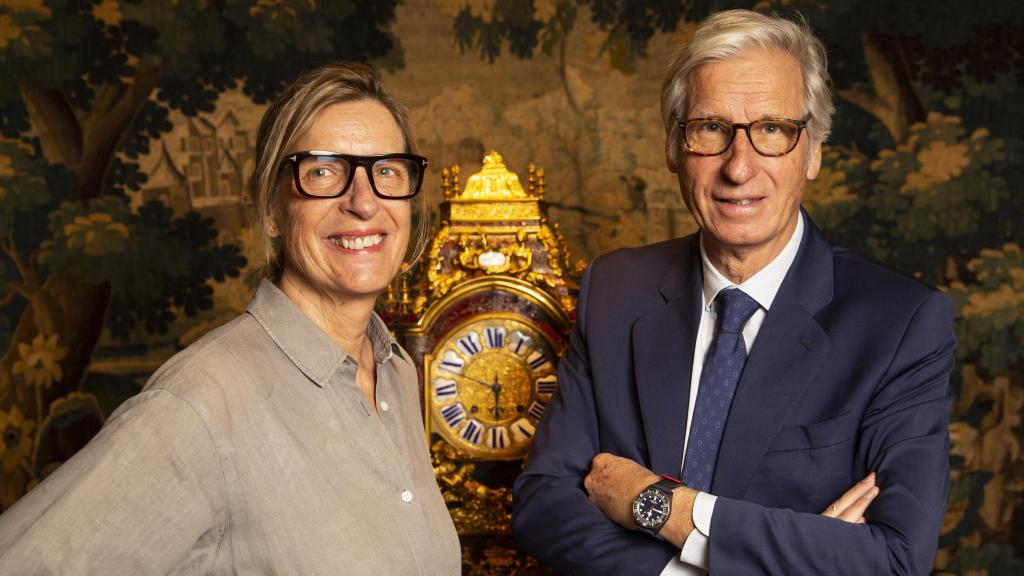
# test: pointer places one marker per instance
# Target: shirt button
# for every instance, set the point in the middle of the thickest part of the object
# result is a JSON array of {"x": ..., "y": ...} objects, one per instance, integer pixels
[
  {"x": 407, "y": 496},
  {"x": 384, "y": 405}
]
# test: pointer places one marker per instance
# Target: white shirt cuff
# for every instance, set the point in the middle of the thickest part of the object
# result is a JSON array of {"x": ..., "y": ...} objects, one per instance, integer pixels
[{"x": 697, "y": 547}]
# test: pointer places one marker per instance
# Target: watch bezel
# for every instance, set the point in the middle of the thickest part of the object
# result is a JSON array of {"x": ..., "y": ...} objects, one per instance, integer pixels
[{"x": 662, "y": 491}]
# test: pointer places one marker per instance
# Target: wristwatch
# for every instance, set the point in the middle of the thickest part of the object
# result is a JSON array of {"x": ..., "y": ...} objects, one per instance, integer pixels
[{"x": 653, "y": 505}]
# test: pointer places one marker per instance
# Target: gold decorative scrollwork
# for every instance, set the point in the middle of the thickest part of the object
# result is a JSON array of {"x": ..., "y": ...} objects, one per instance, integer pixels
[
  {"x": 475, "y": 507},
  {"x": 479, "y": 254},
  {"x": 441, "y": 276},
  {"x": 494, "y": 226},
  {"x": 499, "y": 557}
]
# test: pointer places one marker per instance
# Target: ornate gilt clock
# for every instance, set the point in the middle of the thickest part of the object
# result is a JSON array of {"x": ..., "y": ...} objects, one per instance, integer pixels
[{"x": 486, "y": 318}]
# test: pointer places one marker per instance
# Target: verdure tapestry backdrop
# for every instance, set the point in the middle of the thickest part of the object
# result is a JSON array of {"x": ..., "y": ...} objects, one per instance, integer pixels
[{"x": 127, "y": 137}]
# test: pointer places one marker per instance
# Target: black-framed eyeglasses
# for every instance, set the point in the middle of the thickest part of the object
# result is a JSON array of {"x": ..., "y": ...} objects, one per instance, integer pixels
[
  {"x": 770, "y": 136},
  {"x": 329, "y": 175}
]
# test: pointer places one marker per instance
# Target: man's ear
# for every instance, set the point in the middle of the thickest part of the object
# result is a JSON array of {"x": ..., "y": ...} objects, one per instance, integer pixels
[
  {"x": 814, "y": 161},
  {"x": 673, "y": 166}
]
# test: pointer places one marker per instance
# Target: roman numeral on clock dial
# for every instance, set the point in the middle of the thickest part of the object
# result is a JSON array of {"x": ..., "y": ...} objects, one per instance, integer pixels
[
  {"x": 453, "y": 414},
  {"x": 445, "y": 389},
  {"x": 452, "y": 363},
  {"x": 519, "y": 342},
  {"x": 497, "y": 437},
  {"x": 547, "y": 385},
  {"x": 470, "y": 344},
  {"x": 536, "y": 410},
  {"x": 472, "y": 432},
  {"x": 522, "y": 430},
  {"x": 495, "y": 336},
  {"x": 538, "y": 361}
]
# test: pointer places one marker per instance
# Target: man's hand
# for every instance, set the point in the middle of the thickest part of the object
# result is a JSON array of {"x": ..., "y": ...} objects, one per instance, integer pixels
[
  {"x": 613, "y": 484},
  {"x": 852, "y": 505}
]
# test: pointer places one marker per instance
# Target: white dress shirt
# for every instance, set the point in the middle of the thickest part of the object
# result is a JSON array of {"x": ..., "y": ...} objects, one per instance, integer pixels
[{"x": 762, "y": 287}]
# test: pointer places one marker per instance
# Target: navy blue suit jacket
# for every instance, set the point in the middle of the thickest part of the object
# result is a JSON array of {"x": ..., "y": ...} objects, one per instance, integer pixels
[{"x": 848, "y": 375}]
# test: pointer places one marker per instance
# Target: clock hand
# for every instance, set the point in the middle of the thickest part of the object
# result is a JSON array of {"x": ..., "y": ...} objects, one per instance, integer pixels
[
  {"x": 474, "y": 380},
  {"x": 496, "y": 388}
]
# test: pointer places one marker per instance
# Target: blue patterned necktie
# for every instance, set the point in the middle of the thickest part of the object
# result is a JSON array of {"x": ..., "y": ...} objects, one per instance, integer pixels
[{"x": 722, "y": 369}]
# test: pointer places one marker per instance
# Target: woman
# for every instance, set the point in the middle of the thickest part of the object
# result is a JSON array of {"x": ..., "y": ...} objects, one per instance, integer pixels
[{"x": 288, "y": 441}]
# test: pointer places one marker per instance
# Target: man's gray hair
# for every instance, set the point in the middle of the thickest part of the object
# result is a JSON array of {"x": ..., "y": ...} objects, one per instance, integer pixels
[{"x": 728, "y": 33}]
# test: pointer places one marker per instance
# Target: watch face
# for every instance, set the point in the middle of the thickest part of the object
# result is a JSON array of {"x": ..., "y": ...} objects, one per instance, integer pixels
[
  {"x": 651, "y": 508},
  {"x": 488, "y": 383}
]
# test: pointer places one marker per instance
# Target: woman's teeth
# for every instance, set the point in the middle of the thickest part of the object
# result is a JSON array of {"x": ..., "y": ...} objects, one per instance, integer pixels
[{"x": 358, "y": 242}]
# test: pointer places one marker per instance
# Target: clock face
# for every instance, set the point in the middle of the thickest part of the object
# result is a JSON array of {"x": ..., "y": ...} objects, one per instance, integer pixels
[{"x": 488, "y": 383}]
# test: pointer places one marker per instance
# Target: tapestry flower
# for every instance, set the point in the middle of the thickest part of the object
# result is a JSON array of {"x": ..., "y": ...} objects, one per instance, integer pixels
[
  {"x": 96, "y": 234},
  {"x": 17, "y": 438},
  {"x": 40, "y": 361},
  {"x": 940, "y": 162},
  {"x": 108, "y": 12},
  {"x": 21, "y": 19}
]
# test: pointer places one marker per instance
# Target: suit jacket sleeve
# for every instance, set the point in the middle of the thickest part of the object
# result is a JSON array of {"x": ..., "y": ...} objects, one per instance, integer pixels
[
  {"x": 553, "y": 518},
  {"x": 904, "y": 438}
]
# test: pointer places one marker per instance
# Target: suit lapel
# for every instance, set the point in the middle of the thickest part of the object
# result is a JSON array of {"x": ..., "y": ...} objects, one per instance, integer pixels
[
  {"x": 790, "y": 349},
  {"x": 788, "y": 352},
  {"x": 663, "y": 342}
]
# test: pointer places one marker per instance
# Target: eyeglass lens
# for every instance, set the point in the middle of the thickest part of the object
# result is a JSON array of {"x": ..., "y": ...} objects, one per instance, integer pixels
[
  {"x": 327, "y": 175},
  {"x": 769, "y": 137}
]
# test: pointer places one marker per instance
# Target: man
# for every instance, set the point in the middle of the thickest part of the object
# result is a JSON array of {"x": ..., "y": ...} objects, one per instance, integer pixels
[{"x": 767, "y": 368}]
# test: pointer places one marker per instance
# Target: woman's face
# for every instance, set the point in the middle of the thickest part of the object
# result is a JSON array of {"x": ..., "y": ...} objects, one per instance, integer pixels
[{"x": 350, "y": 247}]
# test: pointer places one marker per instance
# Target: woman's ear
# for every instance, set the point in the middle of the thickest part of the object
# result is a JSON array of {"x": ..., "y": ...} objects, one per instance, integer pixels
[{"x": 270, "y": 225}]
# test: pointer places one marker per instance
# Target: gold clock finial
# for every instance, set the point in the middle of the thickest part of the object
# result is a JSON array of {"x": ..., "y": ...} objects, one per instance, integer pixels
[
  {"x": 493, "y": 182},
  {"x": 404, "y": 301},
  {"x": 389, "y": 297},
  {"x": 494, "y": 158}
]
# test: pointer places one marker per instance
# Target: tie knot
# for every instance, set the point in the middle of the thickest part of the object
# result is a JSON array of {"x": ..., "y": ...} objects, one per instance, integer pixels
[{"x": 734, "y": 308}]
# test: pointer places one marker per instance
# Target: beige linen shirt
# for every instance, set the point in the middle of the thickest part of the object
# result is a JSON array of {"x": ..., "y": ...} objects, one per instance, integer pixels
[{"x": 250, "y": 452}]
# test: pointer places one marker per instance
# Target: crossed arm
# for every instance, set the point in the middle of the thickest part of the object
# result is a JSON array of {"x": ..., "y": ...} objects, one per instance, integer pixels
[
  {"x": 613, "y": 483},
  {"x": 572, "y": 502}
]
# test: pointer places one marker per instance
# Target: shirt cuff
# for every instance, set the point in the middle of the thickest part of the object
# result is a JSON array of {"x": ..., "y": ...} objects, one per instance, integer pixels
[{"x": 698, "y": 545}]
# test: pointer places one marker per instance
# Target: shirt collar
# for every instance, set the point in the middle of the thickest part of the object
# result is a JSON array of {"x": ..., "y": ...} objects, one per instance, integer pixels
[
  {"x": 304, "y": 343},
  {"x": 763, "y": 285}
]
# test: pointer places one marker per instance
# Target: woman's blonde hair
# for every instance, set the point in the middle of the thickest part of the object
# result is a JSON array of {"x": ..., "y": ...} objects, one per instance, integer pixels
[{"x": 291, "y": 114}]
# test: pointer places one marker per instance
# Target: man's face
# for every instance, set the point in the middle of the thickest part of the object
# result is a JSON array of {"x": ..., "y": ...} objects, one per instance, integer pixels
[{"x": 747, "y": 204}]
